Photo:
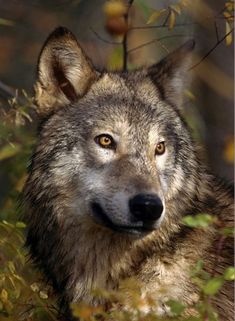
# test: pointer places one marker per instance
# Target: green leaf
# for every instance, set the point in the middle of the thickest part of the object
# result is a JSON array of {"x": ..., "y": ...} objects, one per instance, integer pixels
[
  {"x": 20, "y": 225},
  {"x": 176, "y": 307},
  {"x": 6, "y": 22},
  {"x": 228, "y": 231},
  {"x": 229, "y": 274},
  {"x": 213, "y": 286},
  {"x": 200, "y": 220}
]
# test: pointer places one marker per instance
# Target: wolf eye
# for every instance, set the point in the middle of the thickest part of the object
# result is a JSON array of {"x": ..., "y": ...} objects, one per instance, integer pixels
[
  {"x": 105, "y": 141},
  {"x": 160, "y": 148}
]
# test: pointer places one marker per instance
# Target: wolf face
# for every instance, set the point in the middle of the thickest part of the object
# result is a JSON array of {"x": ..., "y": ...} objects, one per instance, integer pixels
[
  {"x": 113, "y": 147},
  {"x": 113, "y": 172}
]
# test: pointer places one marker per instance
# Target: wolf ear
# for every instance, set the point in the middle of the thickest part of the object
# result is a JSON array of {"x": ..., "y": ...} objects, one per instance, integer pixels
[
  {"x": 170, "y": 73},
  {"x": 64, "y": 72}
]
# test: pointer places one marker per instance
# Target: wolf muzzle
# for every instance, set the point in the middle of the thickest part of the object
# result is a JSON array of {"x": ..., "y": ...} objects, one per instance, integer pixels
[{"x": 145, "y": 210}]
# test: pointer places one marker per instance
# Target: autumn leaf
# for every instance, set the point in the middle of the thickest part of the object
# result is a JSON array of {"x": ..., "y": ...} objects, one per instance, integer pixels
[
  {"x": 156, "y": 15},
  {"x": 229, "y": 37},
  {"x": 172, "y": 19},
  {"x": 9, "y": 151}
]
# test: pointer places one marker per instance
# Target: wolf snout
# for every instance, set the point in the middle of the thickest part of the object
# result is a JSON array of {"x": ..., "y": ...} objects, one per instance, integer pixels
[{"x": 146, "y": 207}]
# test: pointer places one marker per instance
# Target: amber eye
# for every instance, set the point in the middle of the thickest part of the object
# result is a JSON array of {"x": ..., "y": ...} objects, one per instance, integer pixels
[
  {"x": 160, "y": 148},
  {"x": 105, "y": 141}
]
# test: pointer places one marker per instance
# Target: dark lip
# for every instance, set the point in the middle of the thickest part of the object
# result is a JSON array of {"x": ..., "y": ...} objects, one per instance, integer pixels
[{"x": 103, "y": 219}]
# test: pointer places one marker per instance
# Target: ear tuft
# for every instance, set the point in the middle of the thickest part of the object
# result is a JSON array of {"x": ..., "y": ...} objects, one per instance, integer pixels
[
  {"x": 64, "y": 72},
  {"x": 170, "y": 73}
]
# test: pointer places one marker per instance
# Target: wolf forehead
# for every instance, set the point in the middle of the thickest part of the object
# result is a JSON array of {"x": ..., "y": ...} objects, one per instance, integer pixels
[
  {"x": 69, "y": 91},
  {"x": 120, "y": 101}
]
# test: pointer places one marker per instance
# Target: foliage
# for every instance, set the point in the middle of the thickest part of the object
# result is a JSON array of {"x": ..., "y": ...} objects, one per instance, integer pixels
[
  {"x": 128, "y": 302},
  {"x": 23, "y": 294}
]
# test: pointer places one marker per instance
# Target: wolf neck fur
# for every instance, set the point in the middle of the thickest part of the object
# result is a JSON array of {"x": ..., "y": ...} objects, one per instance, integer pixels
[{"x": 108, "y": 257}]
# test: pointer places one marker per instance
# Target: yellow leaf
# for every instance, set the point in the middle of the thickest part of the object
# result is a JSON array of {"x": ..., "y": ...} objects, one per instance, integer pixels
[
  {"x": 155, "y": 15},
  {"x": 43, "y": 295},
  {"x": 11, "y": 266},
  {"x": 229, "y": 37},
  {"x": 34, "y": 287},
  {"x": 229, "y": 5},
  {"x": 176, "y": 8},
  {"x": 6, "y": 22},
  {"x": 228, "y": 16},
  {"x": 189, "y": 94},
  {"x": 184, "y": 3},
  {"x": 4, "y": 296},
  {"x": 9, "y": 151},
  {"x": 229, "y": 151},
  {"x": 20, "y": 183},
  {"x": 171, "y": 22}
]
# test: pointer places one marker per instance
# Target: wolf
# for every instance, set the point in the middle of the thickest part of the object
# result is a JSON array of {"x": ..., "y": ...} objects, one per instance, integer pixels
[{"x": 114, "y": 171}]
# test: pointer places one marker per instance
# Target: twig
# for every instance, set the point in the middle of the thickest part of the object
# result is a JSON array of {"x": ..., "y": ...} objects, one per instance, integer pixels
[
  {"x": 105, "y": 40},
  {"x": 167, "y": 17},
  {"x": 212, "y": 49},
  {"x": 124, "y": 41},
  {"x": 161, "y": 26},
  {"x": 152, "y": 41},
  {"x": 216, "y": 31}
]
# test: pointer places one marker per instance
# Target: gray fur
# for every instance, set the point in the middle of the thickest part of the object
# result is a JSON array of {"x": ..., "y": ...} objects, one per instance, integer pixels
[{"x": 69, "y": 170}]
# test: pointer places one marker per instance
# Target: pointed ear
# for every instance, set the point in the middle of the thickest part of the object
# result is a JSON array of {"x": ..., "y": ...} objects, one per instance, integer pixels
[
  {"x": 169, "y": 75},
  {"x": 64, "y": 72}
]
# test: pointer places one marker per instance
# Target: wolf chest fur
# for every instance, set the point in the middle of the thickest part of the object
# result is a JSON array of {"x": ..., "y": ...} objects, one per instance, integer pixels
[{"x": 114, "y": 171}]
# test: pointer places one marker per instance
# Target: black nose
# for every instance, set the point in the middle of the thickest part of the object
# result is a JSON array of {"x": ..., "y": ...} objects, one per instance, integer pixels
[{"x": 146, "y": 207}]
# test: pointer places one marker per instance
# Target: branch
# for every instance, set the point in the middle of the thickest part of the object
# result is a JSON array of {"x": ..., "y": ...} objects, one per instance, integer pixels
[
  {"x": 162, "y": 26},
  {"x": 154, "y": 40},
  {"x": 105, "y": 40},
  {"x": 124, "y": 41},
  {"x": 216, "y": 31},
  {"x": 212, "y": 49}
]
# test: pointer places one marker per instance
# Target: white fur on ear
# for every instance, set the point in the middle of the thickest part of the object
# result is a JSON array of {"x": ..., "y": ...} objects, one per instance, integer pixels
[
  {"x": 64, "y": 72},
  {"x": 170, "y": 73}
]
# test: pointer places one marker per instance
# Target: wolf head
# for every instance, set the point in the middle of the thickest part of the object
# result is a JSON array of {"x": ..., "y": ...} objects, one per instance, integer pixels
[{"x": 113, "y": 149}]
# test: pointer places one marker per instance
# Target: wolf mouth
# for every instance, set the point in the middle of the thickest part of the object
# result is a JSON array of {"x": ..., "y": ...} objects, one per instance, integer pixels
[{"x": 102, "y": 218}]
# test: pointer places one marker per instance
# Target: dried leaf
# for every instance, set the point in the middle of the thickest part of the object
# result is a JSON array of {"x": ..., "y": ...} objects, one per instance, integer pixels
[
  {"x": 229, "y": 37},
  {"x": 43, "y": 295},
  {"x": 9, "y": 151},
  {"x": 189, "y": 94},
  {"x": 34, "y": 287},
  {"x": 4, "y": 296},
  {"x": 176, "y": 8},
  {"x": 156, "y": 15},
  {"x": 172, "y": 19}
]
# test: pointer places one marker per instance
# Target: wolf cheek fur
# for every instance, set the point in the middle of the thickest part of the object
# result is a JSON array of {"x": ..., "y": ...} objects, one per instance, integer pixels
[{"x": 109, "y": 145}]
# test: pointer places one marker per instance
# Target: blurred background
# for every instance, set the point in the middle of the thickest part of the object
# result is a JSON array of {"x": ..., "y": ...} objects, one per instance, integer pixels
[{"x": 142, "y": 32}]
